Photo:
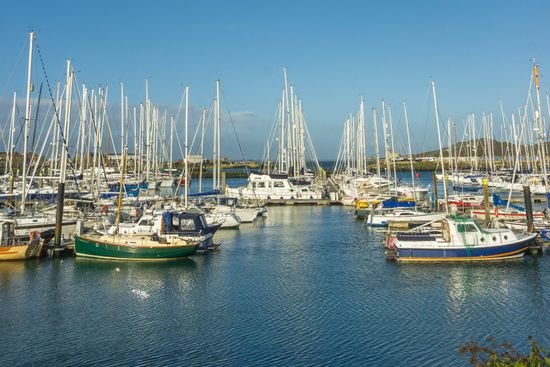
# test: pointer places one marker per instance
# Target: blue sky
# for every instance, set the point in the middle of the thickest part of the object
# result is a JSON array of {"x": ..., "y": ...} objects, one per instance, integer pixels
[{"x": 478, "y": 52}]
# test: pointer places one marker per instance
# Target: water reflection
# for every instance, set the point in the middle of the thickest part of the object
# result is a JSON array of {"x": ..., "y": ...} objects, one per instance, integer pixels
[{"x": 11, "y": 271}]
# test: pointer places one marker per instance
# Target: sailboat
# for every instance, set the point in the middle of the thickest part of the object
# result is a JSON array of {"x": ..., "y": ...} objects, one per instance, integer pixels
[
  {"x": 412, "y": 217},
  {"x": 291, "y": 179},
  {"x": 168, "y": 242},
  {"x": 458, "y": 240}
]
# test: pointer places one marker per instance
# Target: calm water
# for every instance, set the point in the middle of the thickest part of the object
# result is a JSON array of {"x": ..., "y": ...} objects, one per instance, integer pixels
[{"x": 304, "y": 286}]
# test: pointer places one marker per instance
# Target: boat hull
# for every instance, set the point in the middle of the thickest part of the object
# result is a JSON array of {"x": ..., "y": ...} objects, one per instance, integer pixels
[
  {"x": 481, "y": 253},
  {"x": 90, "y": 247},
  {"x": 20, "y": 252}
]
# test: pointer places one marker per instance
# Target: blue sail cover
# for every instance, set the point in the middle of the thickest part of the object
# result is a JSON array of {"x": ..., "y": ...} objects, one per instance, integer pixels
[
  {"x": 167, "y": 218},
  {"x": 497, "y": 201},
  {"x": 208, "y": 193},
  {"x": 395, "y": 203}
]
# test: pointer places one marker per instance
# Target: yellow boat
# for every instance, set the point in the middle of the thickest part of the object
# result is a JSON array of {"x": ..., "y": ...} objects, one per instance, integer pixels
[{"x": 18, "y": 248}]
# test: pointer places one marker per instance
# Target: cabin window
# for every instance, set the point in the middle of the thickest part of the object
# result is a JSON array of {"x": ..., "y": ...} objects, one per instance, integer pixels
[
  {"x": 187, "y": 225},
  {"x": 464, "y": 228},
  {"x": 203, "y": 222},
  {"x": 278, "y": 184},
  {"x": 261, "y": 184}
]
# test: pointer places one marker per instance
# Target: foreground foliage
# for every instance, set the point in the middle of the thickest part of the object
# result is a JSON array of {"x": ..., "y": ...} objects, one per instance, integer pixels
[{"x": 493, "y": 354}]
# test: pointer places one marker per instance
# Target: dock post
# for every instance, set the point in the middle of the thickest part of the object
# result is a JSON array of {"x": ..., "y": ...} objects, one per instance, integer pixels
[
  {"x": 486, "y": 200},
  {"x": 436, "y": 206},
  {"x": 528, "y": 207},
  {"x": 12, "y": 202},
  {"x": 59, "y": 213}
]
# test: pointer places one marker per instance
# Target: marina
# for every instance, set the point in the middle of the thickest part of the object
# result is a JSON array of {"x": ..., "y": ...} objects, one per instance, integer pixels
[
  {"x": 173, "y": 193},
  {"x": 283, "y": 290}
]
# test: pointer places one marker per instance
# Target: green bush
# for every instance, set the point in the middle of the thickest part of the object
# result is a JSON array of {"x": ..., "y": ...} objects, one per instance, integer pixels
[{"x": 493, "y": 354}]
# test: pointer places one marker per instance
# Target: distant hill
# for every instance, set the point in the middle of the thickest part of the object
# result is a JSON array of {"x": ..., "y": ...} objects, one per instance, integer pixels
[{"x": 462, "y": 149}]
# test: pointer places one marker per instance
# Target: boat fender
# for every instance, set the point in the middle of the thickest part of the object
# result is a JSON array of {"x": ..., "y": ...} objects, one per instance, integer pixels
[
  {"x": 138, "y": 213},
  {"x": 104, "y": 209}
]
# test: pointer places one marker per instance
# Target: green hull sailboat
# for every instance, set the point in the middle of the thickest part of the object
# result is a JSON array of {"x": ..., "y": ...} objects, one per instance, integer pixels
[
  {"x": 116, "y": 246},
  {"x": 141, "y": 248}
]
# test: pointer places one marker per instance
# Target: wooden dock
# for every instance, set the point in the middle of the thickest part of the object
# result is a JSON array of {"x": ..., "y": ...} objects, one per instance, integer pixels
[{"x": 273, "y": 202}]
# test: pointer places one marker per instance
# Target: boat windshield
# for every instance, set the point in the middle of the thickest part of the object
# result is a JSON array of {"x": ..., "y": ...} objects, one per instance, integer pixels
[
  {"x": 187, "y": 225},
  {"x": 466, "y": 227}
]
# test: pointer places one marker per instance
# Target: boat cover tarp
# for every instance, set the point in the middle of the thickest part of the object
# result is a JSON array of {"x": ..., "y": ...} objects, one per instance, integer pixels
[
  {"x": 167, "y": 219},
  {"x": 498, "y": 201},
  {"x": 208, "y": 193},
  {"x": 393, "y": 202}
]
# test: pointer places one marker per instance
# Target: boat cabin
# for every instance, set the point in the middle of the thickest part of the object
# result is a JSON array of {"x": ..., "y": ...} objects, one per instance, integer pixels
[
  {"x": 273, "y": 186},
  {"x": 7, "y": 232},
  {"x": 188, "y": 223},
  {"x": 463, "y": 232}
]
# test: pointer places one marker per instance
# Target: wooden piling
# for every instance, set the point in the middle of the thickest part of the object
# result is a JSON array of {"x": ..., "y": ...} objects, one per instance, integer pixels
[
  {"x": 59, "y": 214},
  {"x": 12, "y": 202},
  {"x": 528, "y": 207},
  {"x": 486, "y": 200}
]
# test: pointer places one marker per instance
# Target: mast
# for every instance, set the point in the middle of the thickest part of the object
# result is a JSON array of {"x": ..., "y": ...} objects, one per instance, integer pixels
[
  {"x": 90, "y": 125},
  {"x": 122, "y": 116},
  {"x": 147, "y": 130},
  {"x": 140, "y": 146},
  {"x": 540, "y": 128},
  {"x": 218, "y": 126},
  {"x": 83, "y": 115},
  {"x": 27, "y": 122},
  {"x": 440, "y": 148},
  {"x": 9, "y": 166},
  {"x": 386, "y": 148},
  {"x": 361, "y": 151},
  {"x": 203, "y": 119},
  {"x": 377, "y": 148},
  {"x": 171, "y": 142},
  {"x": 135, "y": 143},
  {"x": 282, "y": 134},
  {"x": 292, "y": 132},
  {"x": 288, "y": 149},
  {"x": 473, "y": 121},
  {"x": 121, "y": 185},
  {"x": 392, "y": 148},
  {"x": 410, "y": 150},
  {"x": 186, "y": 152},
  {"x": 64, "y": 153},
  {"x": 449, "y": 149}
]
